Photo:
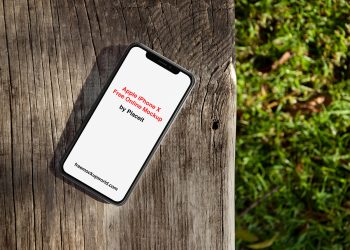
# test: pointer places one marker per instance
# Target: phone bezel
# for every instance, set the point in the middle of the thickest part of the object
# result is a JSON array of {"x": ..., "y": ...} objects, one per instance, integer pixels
[{"x": 92, "y": 110}]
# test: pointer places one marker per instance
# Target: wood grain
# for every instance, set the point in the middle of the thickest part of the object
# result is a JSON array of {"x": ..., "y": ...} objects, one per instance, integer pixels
[{"x": 55, "y": 56}]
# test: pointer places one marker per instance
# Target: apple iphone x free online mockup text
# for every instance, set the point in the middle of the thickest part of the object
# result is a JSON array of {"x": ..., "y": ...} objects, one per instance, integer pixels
[{"x": 126, "y": 124}]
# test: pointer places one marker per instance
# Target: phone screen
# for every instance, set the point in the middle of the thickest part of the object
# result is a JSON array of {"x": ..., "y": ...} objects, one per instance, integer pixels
[{"x": 127, "y": 124}]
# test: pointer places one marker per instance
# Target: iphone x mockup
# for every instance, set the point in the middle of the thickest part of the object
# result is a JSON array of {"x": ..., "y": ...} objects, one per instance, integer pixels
[{"x": 126, "y": 123}]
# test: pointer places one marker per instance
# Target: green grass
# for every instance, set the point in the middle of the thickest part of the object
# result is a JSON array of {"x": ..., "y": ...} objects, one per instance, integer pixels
[{"x": 293, "y": 128}]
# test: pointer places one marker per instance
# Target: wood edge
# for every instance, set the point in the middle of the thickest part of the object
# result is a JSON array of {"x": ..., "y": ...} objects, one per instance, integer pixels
[{"x": 229, "y": 178}]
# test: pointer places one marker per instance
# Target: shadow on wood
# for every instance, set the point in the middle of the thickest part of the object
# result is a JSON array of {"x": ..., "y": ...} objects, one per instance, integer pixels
[{"x": 106, "y": 61}]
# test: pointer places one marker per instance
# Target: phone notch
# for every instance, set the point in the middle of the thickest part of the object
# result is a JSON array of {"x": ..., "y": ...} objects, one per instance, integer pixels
[{"x": 161, "y": 62}]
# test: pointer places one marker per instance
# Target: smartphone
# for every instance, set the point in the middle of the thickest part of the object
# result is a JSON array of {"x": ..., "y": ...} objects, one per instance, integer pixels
[{"x": 126, "y": 124}]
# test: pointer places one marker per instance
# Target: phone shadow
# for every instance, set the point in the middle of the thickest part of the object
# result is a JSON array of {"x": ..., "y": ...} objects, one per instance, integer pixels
[{"x": 105, "y": 63}]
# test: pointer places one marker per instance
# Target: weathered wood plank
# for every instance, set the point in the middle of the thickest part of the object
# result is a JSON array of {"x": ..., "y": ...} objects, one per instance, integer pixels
[
  {"x": 55, "y": 56},
  {"x": 8, "y": 215}
]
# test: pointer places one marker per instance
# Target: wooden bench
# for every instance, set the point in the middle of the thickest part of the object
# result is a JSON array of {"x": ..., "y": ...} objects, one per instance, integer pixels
[{"x": 54, "y": 58}]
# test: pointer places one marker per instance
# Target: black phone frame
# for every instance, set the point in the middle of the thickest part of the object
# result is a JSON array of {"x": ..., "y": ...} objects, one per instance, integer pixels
[{"x": 96, "y": 103}]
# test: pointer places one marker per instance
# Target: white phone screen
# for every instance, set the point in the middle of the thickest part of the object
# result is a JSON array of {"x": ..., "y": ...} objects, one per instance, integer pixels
[{"x": 126, "y": 125}]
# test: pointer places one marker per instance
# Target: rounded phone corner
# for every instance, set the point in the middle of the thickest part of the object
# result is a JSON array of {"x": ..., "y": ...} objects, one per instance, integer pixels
[
  {"x": 135, "y": 45},
  {"x": 125, "y": 197},
  {"x": 62, "y": 166},
  {"x": 117, "y": 202}
]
